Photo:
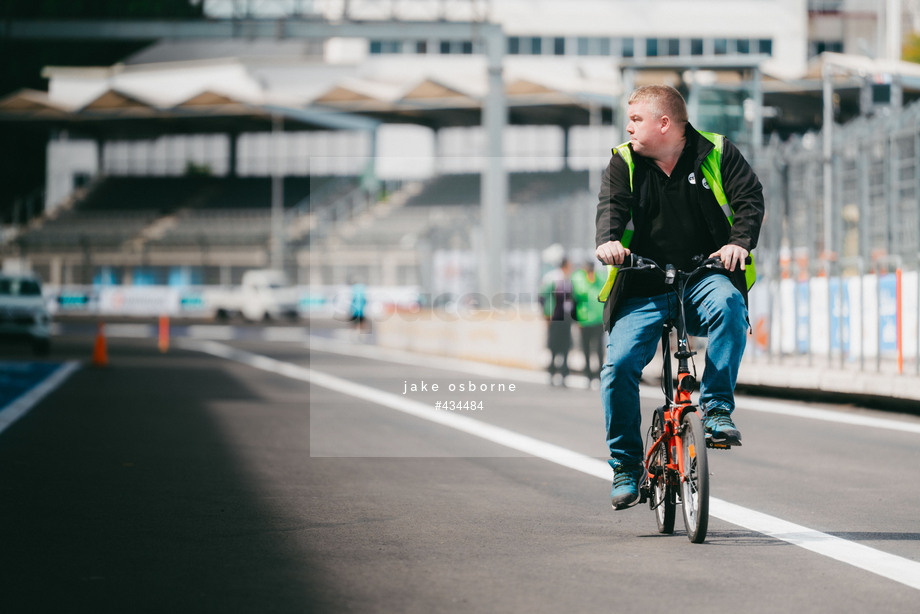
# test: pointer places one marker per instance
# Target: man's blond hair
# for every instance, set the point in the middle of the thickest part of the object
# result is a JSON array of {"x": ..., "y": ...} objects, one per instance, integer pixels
[{"x": 661, "y": 100}]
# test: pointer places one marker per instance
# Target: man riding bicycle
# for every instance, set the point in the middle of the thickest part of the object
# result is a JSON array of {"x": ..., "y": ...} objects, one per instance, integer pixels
[{"x": 671, "y": 194}]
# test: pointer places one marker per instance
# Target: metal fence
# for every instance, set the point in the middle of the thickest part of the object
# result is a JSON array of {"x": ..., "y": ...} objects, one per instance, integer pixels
[{"x": 837, "y": 272}]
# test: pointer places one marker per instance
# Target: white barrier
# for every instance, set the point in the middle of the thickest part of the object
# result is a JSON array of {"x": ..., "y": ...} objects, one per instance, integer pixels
[
  {"x": 860, "y": 317},
  {"x": 193, "y": 301}
]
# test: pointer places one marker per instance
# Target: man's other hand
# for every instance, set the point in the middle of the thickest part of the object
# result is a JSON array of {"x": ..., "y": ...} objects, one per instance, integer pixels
[
  {"x": 731, "y": 256},
  {"x": 611, "y": 252}
]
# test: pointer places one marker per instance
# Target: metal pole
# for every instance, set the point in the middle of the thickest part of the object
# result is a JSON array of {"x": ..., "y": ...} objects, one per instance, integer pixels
[
  {"x": 693, "y": 99},
  {"x": 827, "y": 129},
  {"x": 878, "y": 318},
  {"x": 830, "y": 313},
  {"x": 629, "y": 84},
  {"x": 917, "y": 190},
  {"x": 277, "y": 198},
  {"x": 862, "y": 315},
  {"x": 893, "y": 38},
  {"x": 897, "y": 93},
  {"x": 757, "y": 121},
  {"x": 494, "y": 188},
  {"x": 863, "y": 169}
]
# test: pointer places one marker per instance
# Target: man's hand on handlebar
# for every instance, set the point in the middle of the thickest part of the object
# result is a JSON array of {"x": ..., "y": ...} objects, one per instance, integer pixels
[
  {"x": 612, "y": 252},
  {"x": 731, "y": 256}
]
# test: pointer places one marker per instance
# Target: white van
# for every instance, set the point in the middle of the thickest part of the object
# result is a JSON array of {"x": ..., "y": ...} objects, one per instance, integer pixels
[
  {"x": 23, "y": 312},
  {"x": 263, "y": 294}
]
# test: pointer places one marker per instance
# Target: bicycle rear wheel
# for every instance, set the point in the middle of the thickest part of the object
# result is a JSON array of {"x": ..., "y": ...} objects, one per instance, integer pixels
[
  {"x": 661, "y": 495},
  {"x": 694, "y": 482}
]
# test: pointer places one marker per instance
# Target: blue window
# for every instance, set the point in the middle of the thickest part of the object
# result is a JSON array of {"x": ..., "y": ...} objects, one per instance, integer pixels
[
  {"x": 558, "y": 46},
  {"x": 629, "y": 47},
  {"x": 673, "y": 46}
]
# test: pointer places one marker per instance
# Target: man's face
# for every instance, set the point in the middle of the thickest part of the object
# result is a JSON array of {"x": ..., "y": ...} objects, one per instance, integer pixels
[{"x": 644, "y": 128}]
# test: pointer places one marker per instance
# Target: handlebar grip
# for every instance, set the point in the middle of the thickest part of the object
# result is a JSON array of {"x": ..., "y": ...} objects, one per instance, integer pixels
[
  {"x": 635, "y": 261},
  {"x": 716, "y": 262}
]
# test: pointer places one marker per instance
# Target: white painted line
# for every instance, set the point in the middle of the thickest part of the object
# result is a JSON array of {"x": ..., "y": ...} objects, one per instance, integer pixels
[
  {"x": 285, "y": 334},
  {"x": 206, "y": 331},
  {"x": 745, "y": 403},
  {"x": 887, "y": 565},
  {"x": 890, "y": 566},
  {"x": 21, "y": 406},
  {"x": 129, "y": 331},
  {"x": 801, "y": 411}
]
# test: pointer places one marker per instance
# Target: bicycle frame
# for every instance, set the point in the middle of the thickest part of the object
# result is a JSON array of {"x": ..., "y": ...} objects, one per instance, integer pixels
[
  {"x": 677, "y": 398},
  {"x": 676, "y": 460}
]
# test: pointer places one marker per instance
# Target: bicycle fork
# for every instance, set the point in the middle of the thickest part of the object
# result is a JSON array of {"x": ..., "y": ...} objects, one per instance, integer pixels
[{"x": 668, "y": 444}]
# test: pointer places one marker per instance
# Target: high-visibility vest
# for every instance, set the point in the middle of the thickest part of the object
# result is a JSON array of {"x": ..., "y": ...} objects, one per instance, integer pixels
[{"x": 712, "y": 172}]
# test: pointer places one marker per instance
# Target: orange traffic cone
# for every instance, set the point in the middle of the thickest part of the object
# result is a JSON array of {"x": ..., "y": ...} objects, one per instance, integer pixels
[
  {"x": 100, "y": 355},
  {"x": 163, "y": 341}
]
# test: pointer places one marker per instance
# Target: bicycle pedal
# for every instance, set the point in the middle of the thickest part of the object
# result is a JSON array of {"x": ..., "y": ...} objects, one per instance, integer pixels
[{"x": 719, "y": 445}]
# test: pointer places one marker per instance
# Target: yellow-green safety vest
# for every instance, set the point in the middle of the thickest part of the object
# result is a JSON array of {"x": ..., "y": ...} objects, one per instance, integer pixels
[{"x": 712, "y": 172}]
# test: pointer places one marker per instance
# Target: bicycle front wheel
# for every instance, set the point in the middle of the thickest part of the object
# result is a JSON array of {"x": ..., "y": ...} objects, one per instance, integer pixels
[
  {"x": 694, "y": 483},
  {"x": 661, "y": 493}
]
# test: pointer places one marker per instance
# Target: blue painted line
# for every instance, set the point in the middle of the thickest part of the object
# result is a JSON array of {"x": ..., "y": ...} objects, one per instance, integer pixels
[
  {"x": 18, "y": 378},
  {"x": 13, "y": 410}
]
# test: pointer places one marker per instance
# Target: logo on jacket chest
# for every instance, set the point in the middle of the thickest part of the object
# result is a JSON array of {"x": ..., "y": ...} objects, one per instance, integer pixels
[{"x": 692, "y": 179}]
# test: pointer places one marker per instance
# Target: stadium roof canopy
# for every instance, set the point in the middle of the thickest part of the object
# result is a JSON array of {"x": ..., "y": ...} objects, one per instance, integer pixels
[
  {"x": 434, "y": 103},
  {"x": 209, "y": 85},
  {"x": 116, "y": 114},
  {"x": 351, "y": 104}
]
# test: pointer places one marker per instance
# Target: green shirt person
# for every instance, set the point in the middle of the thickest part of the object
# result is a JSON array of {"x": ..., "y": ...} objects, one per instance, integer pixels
[{"x": 586, "y": 287}]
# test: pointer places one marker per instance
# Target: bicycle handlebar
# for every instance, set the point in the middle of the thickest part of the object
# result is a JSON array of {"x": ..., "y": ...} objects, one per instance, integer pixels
[{"x": 635, "y": 262}]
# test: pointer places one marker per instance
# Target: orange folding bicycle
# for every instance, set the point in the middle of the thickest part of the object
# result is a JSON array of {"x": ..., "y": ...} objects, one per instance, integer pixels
[{"x": 676, "y": 461}]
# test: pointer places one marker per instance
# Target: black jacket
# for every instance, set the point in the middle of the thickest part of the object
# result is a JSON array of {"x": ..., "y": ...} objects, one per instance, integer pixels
[{"x": 617, "y": 204}]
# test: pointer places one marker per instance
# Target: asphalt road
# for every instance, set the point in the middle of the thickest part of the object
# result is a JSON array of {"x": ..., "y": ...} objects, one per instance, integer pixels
[{"x": 248, "y": 476}]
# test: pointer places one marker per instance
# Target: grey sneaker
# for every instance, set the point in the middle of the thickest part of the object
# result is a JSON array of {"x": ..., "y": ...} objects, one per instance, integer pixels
[
  {"x": 625, "y": 484},
  {"x": 720, "y": 428}
]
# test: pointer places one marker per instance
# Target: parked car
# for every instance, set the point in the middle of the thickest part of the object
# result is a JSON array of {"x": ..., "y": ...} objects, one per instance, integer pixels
[
  {"x": 263, "y": 294},
  {"x": 23, "y": 313}
]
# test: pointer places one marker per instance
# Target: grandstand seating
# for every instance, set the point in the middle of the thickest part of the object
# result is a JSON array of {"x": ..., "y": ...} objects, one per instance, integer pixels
[
  {"x": 447, "y": 207},
  {"x": 78, "y": 230},
  {"x": 167, "y": 194},
  {"x": 532, "y": 187},
  {"x": 405, "y": 226},
  {"x": 205, "y": 210},
  {"x": 218, "y": 227},
  {"x": 187, "y": 217}
]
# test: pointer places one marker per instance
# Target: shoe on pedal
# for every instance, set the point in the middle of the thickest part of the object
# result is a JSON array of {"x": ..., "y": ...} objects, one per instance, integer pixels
[
  {"x": 625, "y": 484},
  {"x": 720, "y": 428}
]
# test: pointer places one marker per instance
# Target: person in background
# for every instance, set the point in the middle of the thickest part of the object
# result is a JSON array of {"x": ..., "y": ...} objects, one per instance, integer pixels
[
  {"x": 559, "y": 311},
  {"x": 586, "y": 287},
  {"x": 358, "y": 306}
]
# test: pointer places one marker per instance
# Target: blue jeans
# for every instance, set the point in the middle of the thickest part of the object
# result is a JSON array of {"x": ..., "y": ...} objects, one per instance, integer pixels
[{"x": 714, "y": 309}]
